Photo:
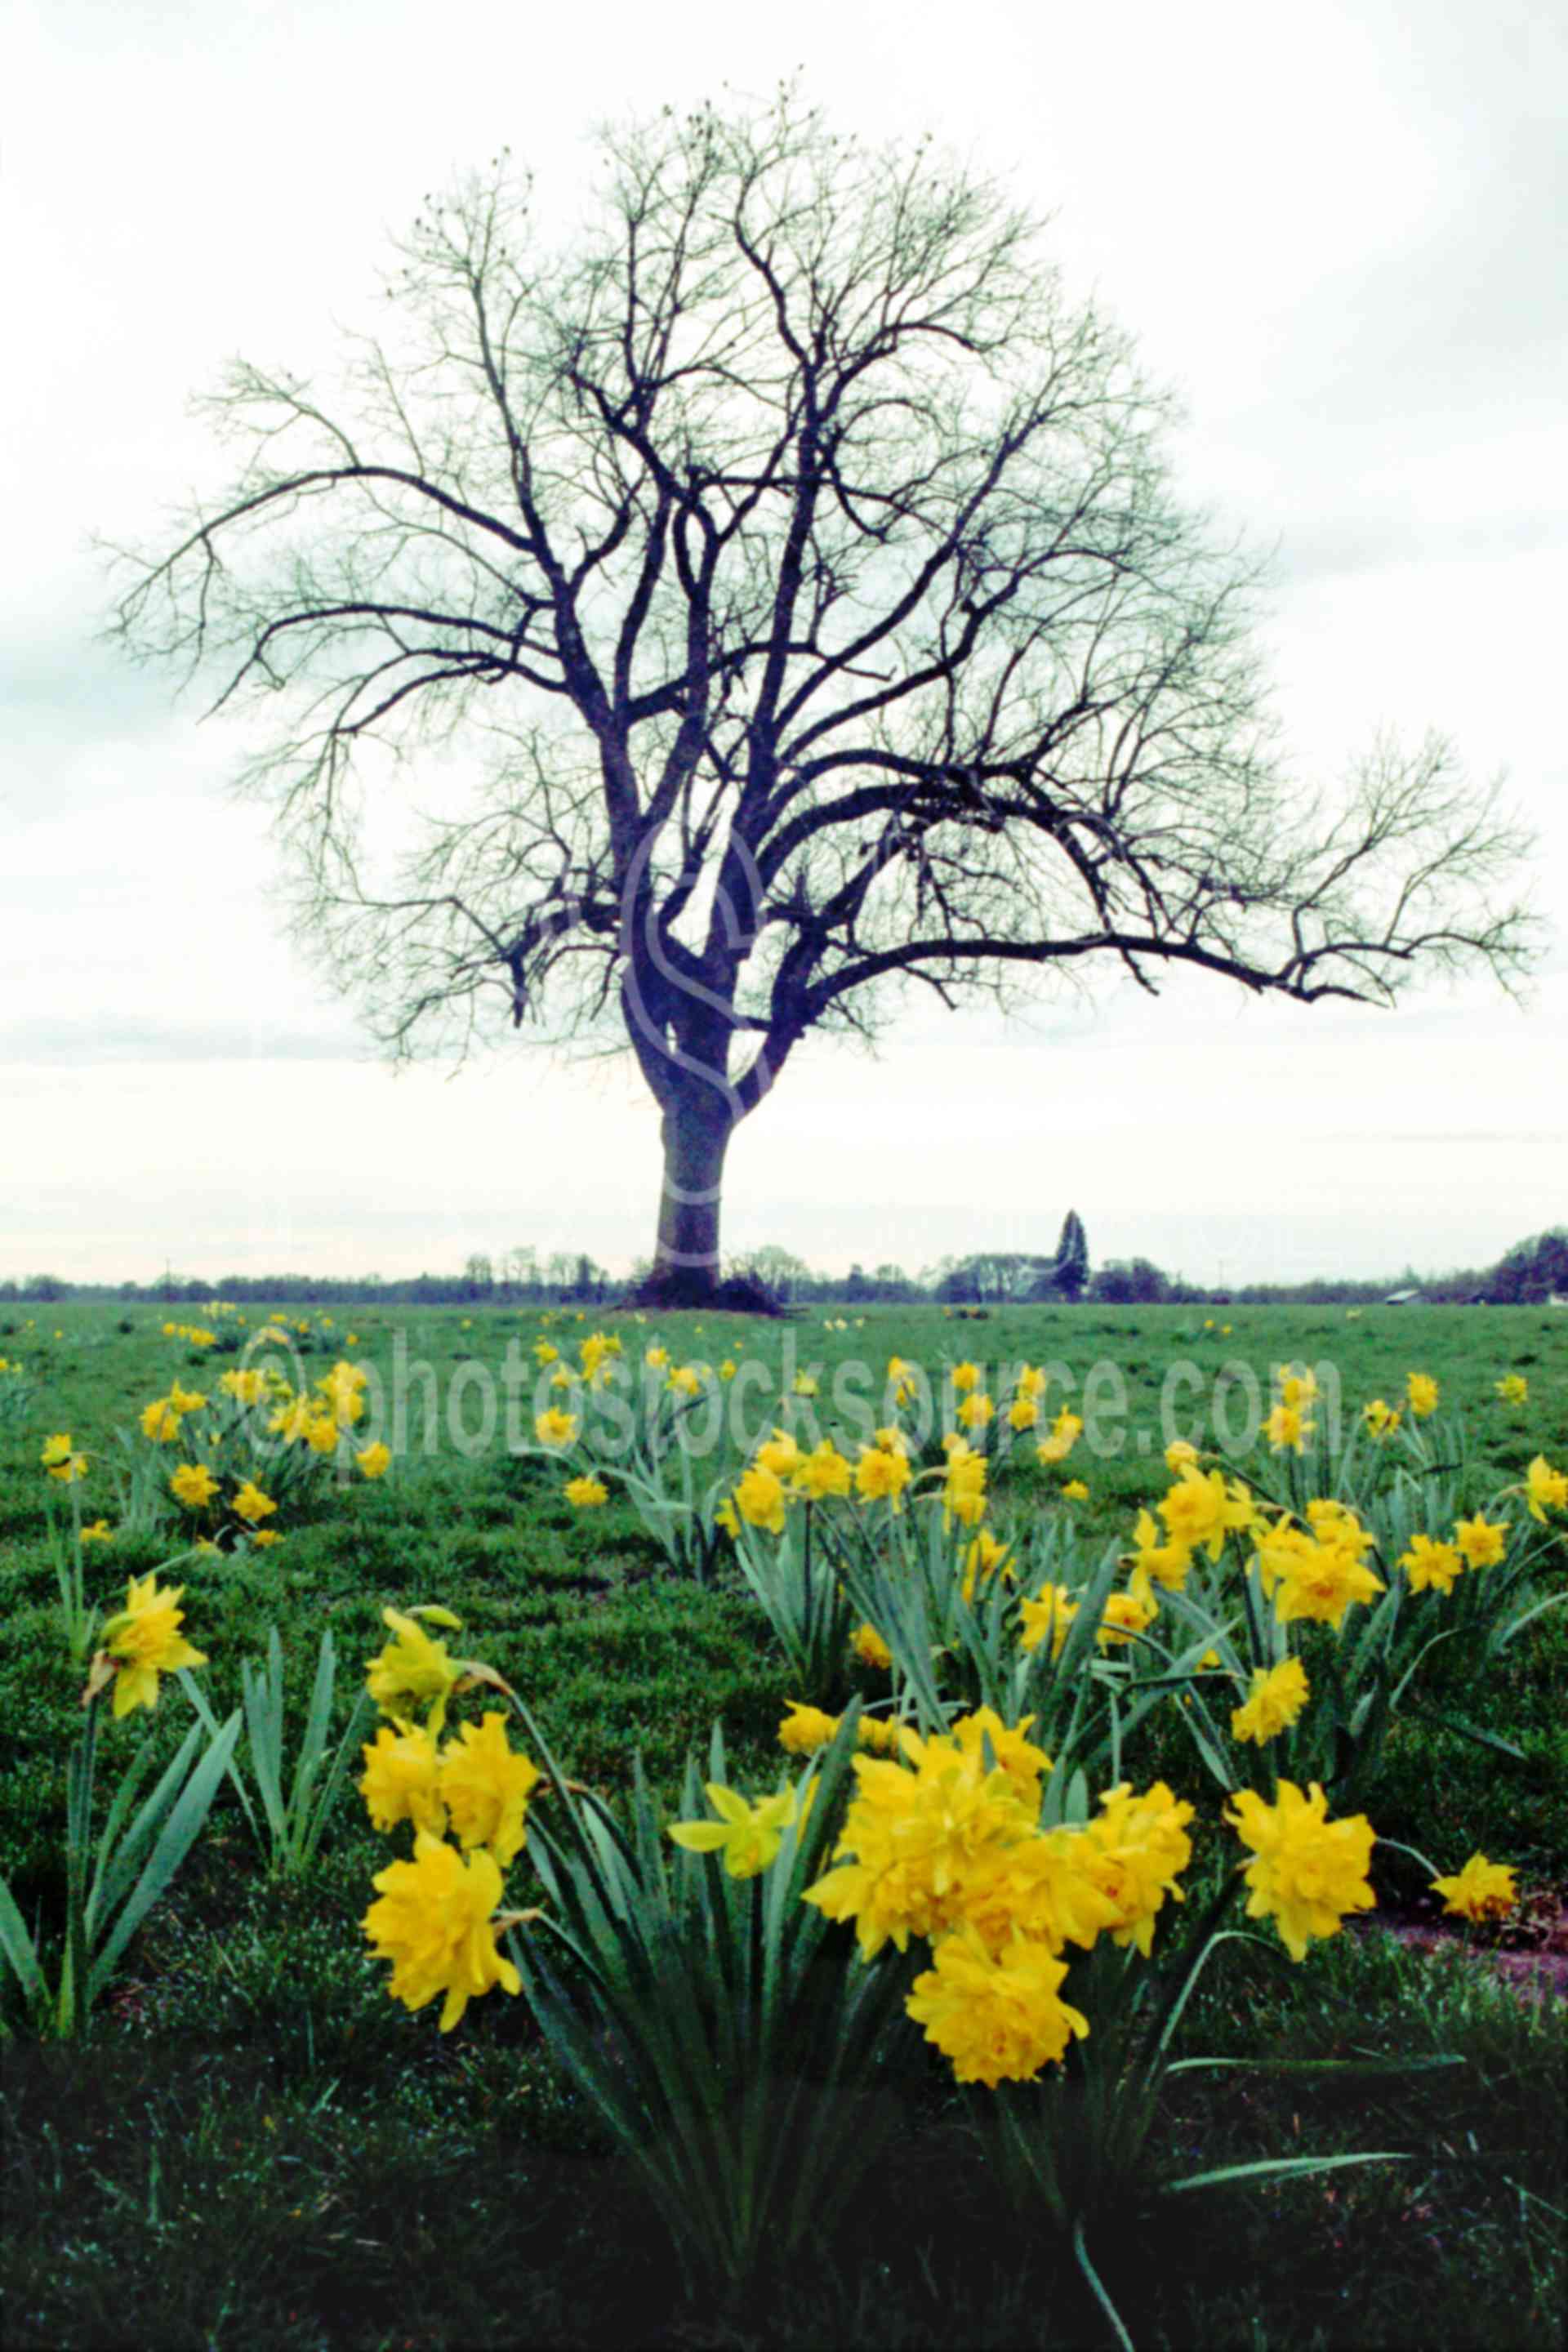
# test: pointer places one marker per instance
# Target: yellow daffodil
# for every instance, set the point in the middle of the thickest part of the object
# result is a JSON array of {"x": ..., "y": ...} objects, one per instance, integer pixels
[
  {"x": 193, "y": 1484},
  {"x": 414, "y": 1669},
  {"x": 918, "y": 1831},
  {"x": 1200, "y": 1510},
  {"x": 1136, "y": 1848},
  {"x": 881, "y": 1474},
  {"x": 1066, "y": 1430},
  {"x": 998, "y": 2017},
  {"x": 1545, "y": 1489},
  {"x": 822, "y": 1470},
  {"x": 1050, "y": 1614},
  {"x": 1287, "y": 1430},
  {"x": 780, "y": 1455},
  {"x": 434, "y": 1922},
  {"x": 1429, "y": 1563},
  {"x": 1126, "y": 1614},
  {"x": 871, "y": 1649},
  {"x": 486, "y": 1786},
  {"x": 1482, "y": 1890},
  {"x": 144, "y": 1640},
  {"x": 987, "y": 1556},
  {"x": 1155, "y": 1562},
  {"x": 748, "y": 1836},
  {"x": 964, "y": 1488},
  {"x": 1277, "y": 1696},
  {"x": 596, "y": 1352},
  {"x": 805, "y": 1731},
  {"x": 60, "y": 1462},
  {"x": 1309, "y": 1871},
  {"x": 1005, "y": 1748},
  {"x": 1483, "y": 1541},
  {"x": 401, "y": 1781},
  {"x": 1314, "y": 1580}
]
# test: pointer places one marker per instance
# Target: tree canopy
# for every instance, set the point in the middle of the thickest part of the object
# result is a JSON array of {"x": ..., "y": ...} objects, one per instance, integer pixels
[{"x": 798, "y": 572}]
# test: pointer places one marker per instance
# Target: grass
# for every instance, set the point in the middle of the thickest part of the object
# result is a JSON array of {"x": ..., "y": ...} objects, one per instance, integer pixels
[{"x": 258, "y": 2146}]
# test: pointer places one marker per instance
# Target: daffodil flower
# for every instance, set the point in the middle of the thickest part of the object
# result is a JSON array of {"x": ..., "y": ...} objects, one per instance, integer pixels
[{"x": 748, "y": 1836}]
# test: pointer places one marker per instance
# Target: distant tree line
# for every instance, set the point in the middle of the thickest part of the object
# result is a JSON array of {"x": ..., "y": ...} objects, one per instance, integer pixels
[
  {"x": 564, "y": 1275},
  {"x": 1529, "y": 1272}
]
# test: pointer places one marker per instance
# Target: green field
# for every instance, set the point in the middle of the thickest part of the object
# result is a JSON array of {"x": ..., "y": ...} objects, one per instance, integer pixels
[{"x": 257, "y": 2145}]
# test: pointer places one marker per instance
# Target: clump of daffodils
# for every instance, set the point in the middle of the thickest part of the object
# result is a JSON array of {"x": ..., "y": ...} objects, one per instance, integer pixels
[
  {"x": 1317, "y": 1571},
  {"x": 942, "y": 1842},
  {"x": 1289, "y": 1424},
  {"x": 781, "y": 1472},
  {"x": 438, "y": 1916}
]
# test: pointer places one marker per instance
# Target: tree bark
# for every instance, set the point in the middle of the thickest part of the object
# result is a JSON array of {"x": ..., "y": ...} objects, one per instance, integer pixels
[{"x": 696, "y": 1132}]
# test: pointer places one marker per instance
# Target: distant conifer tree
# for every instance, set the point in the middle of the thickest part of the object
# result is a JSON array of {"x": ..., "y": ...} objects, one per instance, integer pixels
[{"x": 1072, "y": 1269}]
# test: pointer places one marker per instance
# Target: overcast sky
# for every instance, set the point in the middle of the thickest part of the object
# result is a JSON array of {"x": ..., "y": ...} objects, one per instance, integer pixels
[{"x": 1337, "y": 231}]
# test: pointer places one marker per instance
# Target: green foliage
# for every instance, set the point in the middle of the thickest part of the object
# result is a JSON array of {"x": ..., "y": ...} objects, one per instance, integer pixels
[
  {"x": 110, "y": 1889},
  {"x": 295, "y": 1809},
  {"x": 710, "y": 2019},
  {"x": 797, "y": 1583}
]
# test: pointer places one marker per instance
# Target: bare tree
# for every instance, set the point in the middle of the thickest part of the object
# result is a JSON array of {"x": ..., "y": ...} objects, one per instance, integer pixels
[
  {"x": 807, "y": 570},
  {"x": 778, "y": 1268},
  {"x": 521, "y": 1264}
]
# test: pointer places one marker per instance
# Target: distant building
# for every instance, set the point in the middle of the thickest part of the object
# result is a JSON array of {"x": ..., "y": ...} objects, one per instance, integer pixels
[{"x": 1405, "y": 1298}]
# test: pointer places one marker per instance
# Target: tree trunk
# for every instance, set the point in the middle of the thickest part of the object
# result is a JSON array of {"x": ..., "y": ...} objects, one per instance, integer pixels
[{"x": 696, "y": 1131}]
